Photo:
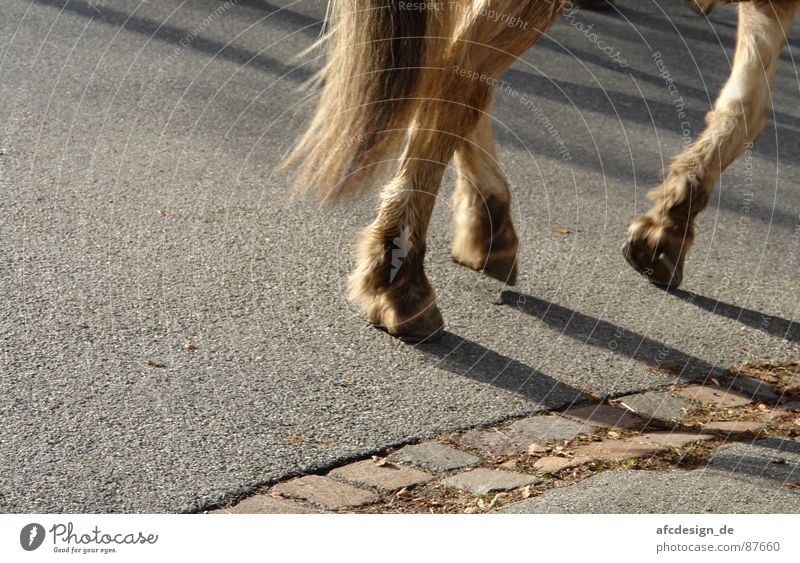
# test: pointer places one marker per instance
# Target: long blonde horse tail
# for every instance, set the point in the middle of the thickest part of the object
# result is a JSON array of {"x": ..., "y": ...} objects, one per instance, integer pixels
[{"x": 375, "y": 53}]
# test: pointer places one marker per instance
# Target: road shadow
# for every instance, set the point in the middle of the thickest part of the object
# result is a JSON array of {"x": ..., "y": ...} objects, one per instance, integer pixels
[
  {"x": 631, "y": 107},
  {"x": 188, "y": 38},
  {"x": 628, "y": 108},
  {"x": 613, "y": 338},
  {"x": 466, "y": 358},
  {"x": 707, "y": 32},
  {"x": 681, "y": 20},
  {"x": 770, "y": 324},
  {"x": 771, "y": 466},
  {"x": 308, "y": 25}
]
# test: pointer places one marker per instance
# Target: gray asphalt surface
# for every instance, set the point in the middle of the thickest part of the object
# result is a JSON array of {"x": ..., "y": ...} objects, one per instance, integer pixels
[
  {"x": 741, "y": 478},
  {"x": 139, "y": 211},
  {"x": 671, "y": 492}
]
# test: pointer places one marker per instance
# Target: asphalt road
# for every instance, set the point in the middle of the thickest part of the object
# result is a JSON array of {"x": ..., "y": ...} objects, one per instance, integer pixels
[{"x": 139, "y": 212}]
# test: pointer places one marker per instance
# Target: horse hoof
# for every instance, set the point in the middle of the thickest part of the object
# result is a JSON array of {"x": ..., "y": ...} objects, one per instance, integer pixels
[
  {"x": 425, "y": 326},
  {"x": 502, "y": 268},
  {"x": 655, "y": 264}
]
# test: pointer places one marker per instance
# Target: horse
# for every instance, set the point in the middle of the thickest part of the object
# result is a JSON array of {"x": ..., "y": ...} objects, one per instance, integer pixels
[{"x": 410, "y": 85}]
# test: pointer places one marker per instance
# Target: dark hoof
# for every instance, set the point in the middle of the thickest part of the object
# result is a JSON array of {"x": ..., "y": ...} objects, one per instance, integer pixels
[
  {"x": 656, "y": 265},
  {"x": 435, "y": 336},
  {"x": 503, "y": 269}
]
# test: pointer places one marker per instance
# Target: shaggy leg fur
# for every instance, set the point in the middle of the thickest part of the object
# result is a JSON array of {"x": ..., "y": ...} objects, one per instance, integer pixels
[
  {"x": 483, "y": 233},
  {"x": 389, "y": 282},
  {"x": 659, "y": 240}
]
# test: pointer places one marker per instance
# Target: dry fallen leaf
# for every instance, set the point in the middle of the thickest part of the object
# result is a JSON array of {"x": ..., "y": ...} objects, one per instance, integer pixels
[
  {"x": 403, "y": 493},
  {"x": 526, "y": 492},
  {"x": 563, "y": 230},
  {"x": 189, "y": 346},
  {"x": 383, "y": 462},
  {"x": 535, "y": 448},
  {"x": 794, "y": 485},
  {"x": 612, "y": 434}
]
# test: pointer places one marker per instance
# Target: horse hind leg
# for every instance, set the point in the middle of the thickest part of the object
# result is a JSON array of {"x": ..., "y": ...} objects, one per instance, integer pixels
[
  {"x": 484, "y": 238},
  {"x": 659, "y": 240},
  {"x": 389, "y": 282}
]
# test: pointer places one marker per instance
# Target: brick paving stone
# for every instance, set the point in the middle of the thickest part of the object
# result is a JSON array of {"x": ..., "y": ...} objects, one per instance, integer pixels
[
  {"x": 325, "y": 492},
  {"x": 544, "y": 429},
  {"x": 552, "y": 464},
  {"x": 714, "y": 396},
  {"x": 388, "y": 477},
  {"x": 643, "y": 445},
  {"x": 434, "y": 456},
  {"x": 734, "y": 426},
  {"x": 494, "y": 442},
  {"x": 618, "y": 450},
  {"x": 755, "y": 389},
  {"x": 483, "y": 481},
  {"x": 605, "y": 416},
  {"x": 675, "y": 439},
  {"x": 266, "y": 504},
  {"x": 659, "y": 405}
]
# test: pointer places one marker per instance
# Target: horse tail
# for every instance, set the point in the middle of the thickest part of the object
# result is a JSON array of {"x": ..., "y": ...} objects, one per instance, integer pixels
[{"x": 375, "y": 53}]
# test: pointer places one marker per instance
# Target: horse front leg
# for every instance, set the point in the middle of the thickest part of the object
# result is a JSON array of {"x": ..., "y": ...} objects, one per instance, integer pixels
[{"x": 659, "y": 240}]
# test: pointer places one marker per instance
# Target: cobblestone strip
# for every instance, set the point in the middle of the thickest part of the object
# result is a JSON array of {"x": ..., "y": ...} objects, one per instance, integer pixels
[
  {"x": 482, "y": 469},
  {"x": 386, "y": 477}
]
